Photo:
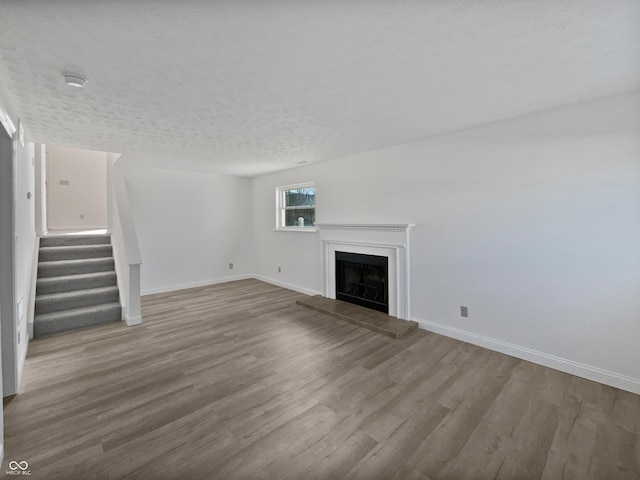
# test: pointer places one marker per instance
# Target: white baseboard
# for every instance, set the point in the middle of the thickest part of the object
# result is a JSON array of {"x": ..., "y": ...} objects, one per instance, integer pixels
[
  {"x": 589, "y": 372},
  {"x": 288, "y": 286},
  {"x": 131, "y": 321},
  {"x": 204, "y": 283},
  {"x": 184, "y": 286}
]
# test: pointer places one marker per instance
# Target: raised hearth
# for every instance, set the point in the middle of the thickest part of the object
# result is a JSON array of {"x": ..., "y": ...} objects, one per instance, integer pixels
[{"x": 364, "y": 317}]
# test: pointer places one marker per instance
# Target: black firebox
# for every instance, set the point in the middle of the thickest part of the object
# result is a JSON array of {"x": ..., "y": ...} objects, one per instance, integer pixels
[{"x": 363, "y": 280}]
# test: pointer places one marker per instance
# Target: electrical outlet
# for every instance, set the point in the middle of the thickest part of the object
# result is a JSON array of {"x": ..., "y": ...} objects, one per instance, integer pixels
[
  {"x": 231, "y": 266},
  {"x": 464, "y": 311},
  {"x": 279, "y": 269}
]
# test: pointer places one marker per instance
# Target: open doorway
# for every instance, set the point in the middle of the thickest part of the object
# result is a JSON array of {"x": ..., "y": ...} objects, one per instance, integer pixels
[
  {"x": 76, "y": 283},
  {"x": 76, "y": 191}
]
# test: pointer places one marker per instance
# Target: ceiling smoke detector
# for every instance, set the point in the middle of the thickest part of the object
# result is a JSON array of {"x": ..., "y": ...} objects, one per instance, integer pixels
[{"x": 74, "y": 80}]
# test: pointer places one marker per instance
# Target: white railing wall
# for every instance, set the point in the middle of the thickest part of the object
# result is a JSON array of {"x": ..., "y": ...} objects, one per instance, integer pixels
[
  {"x": 126, "y": 251},
  {"x": 31, "y": 306}
]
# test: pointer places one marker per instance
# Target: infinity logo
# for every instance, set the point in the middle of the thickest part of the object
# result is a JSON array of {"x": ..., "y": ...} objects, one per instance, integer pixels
[{"x": 13, "y": 465}]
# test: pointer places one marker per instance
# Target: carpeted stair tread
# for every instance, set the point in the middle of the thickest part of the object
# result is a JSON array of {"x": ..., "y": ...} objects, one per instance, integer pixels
[
  {"x": 72, "y": 267},
  {"x": 54, "y": 302},
  {"x": 70, "y": 252},
  {"x": 59, "y": 240},
  {"x": 77, "y": 285},
  {"x": 81, "y": 281},
  {"x": 62, "y": 321}
]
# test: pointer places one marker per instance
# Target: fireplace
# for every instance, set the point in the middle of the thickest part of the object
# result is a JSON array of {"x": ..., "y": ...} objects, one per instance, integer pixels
[
  {"x": 390, "y": 241},
  {"x": 363, "y": 280}
]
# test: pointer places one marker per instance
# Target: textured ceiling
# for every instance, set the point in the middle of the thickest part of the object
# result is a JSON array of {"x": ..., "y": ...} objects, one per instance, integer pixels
[{"x": 248, "y": 87}]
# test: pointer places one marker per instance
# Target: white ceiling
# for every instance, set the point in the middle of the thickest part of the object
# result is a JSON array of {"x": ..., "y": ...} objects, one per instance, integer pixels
[{"x": 247, "y": 87}]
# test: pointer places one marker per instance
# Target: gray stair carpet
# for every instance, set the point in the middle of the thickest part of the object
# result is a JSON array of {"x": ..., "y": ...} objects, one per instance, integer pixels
[
  {"x": 81, "y": 281},
  {"x": 77, "y": 285},
  {"x": 71, "y": 267},
  {"x": 69, "y": 240},
  {"x": 74, "y": 252}
]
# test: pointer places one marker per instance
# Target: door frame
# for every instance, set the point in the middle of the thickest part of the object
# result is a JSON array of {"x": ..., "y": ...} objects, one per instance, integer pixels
[{"x": 8, "y": 308}]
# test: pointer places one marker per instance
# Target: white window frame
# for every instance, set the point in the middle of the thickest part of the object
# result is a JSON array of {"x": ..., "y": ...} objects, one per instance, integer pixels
[{"x": 281, "y": 208}]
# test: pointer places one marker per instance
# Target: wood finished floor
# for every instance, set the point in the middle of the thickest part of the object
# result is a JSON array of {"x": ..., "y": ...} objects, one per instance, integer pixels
[{"x": 237, "y": 381}]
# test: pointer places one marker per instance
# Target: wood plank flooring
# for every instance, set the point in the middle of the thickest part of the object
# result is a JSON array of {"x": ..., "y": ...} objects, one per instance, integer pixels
[{"x": 236, "y": 381}]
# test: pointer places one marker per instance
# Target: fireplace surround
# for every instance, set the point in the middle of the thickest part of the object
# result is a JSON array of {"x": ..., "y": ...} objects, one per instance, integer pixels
[{"x": 383, "y": 240}]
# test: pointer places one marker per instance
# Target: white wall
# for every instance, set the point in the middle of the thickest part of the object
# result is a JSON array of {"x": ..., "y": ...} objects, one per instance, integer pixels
[
  {"x": 24, "y": 233},
  {"x": 534, "y": 224},
  {"x": 25, "y": 246},
  {"x": 40, "y": 189},
  {"x": 82, "y": 202},
  {"x": 190, "y": 227}
]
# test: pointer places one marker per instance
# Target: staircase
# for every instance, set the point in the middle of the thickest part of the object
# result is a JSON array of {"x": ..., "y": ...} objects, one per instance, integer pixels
[{"x": 76, "y": 284}]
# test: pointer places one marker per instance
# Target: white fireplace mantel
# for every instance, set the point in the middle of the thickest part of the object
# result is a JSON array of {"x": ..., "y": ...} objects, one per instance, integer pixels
[{"x": 387, "y": 240}]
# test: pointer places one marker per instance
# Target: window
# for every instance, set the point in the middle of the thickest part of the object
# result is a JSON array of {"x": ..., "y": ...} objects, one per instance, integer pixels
[{"x": 296, "y": 207}]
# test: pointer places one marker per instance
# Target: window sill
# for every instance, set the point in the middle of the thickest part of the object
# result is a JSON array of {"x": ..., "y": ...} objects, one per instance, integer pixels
[{"x": 297, "y": 229}]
